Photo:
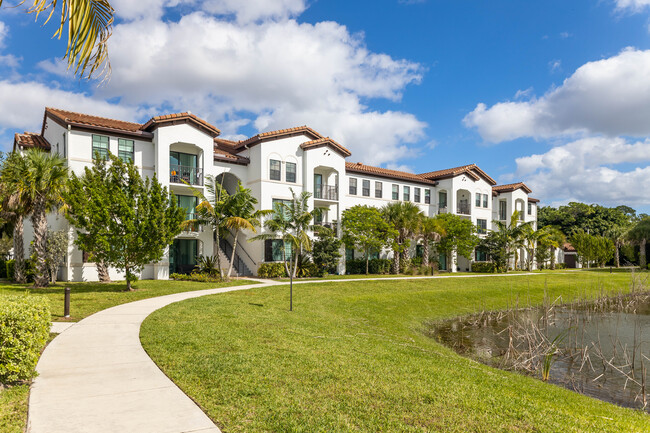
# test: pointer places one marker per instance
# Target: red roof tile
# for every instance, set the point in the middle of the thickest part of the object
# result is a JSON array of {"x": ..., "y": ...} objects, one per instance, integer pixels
[
  {"x": 280, "y": 133},
  {"x": 30, "y": 140},
  {"x": 70, "y": 117},
  {"x": 326, "y": 141},
  {"x": 156, "y": 121},
  {"x": 511, "y": 187},
  {"x": 471, "y": 170},
  {"x": 533, "y": 200},
  {"x": 384, "y": 172}
]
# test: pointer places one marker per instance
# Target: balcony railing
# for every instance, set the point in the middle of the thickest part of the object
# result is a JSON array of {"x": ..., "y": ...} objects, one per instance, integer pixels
[
  {"x": 193, "y": 227},
  {"x": 442, "y": 209},
  {"x": 326, "y": 192},
  {"x": 331, "y": 226},
  {"x": 186, "y": 174},
  {"x": 464, "y": 209}
]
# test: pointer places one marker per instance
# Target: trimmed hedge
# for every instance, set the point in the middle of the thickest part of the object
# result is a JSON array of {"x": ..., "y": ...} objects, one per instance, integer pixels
[
  {"x": 195, "y": 276},
  {"x": 271, "y": 270},
  {"x": 484, "y": 267},
  {"x": 375, "y": 266},
  {"x": 24, "y": 330}
]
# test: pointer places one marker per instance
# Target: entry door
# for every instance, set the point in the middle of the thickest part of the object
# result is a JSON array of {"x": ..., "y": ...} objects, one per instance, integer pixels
[{"x": 318, "y": 186}]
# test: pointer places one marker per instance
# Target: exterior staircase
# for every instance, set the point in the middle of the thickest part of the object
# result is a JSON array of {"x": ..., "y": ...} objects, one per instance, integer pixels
[{"x": 225, "y": 252}]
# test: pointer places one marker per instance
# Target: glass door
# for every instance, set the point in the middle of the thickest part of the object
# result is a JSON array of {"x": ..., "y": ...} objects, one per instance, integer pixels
[{"x": 318, "y": 186}]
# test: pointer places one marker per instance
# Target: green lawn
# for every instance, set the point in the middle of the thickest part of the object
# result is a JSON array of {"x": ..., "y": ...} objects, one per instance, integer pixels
[
  {"x": 89, "y": 298},
  {"x": 352, "y": 357},
  {"x": 13, "y": 409}
]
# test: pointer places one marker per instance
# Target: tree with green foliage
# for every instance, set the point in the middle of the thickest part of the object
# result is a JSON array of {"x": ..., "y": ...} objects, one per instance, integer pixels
[
  {"x": 640, "y": 234},
  {"x": 55, "y": 252},
  {"x": 459, "y": 236},
  {"x": 405, "y": 217},
  {"x": 37, "y": 181},
  {"x": 596, "y": 219},
  {"x": 326, "y": 250},
  {"x": 531, "y": 239},
  {"x": 555, "y": 239},
  {"x": 365, "y": 229},
  {"x": 125, "y": 220},
  {"x": 241, "y": 215},
  {"x": 495, "y": 243},
  {"x": 590, "y": 248},
  {"x": 512, "y": 235},
  {"x": 430, "y": 230},
  {"x": 291, "y": 222},
  {"x": 618, "y": 235}
]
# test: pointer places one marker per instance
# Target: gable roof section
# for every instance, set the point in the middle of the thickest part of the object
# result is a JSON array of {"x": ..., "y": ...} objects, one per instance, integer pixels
[
  {"x": 95, "y": 123},
  {"x": 357, "y": 167},
  {"x": 471, "y": 170},
  {"x": 533, "y": 200},
  {"x": 326, "y": 142},
  {"x": 31, "y": 140},
  {"x": 511, "y": 187},
  {"x": 224, "y": 150},
  {"x": 178, "y": 118},
  {"x": 280, "y": 133}
]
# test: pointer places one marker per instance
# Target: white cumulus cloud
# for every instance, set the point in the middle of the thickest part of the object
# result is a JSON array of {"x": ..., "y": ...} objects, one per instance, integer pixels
[
  {"x": 632, "y": 5},
  {"x": 609, "y": 96}
]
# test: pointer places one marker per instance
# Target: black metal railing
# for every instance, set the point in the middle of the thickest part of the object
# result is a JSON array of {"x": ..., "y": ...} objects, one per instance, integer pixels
[
  {"x": 326, "y": 192},
  {"x": 464, "y": 209},
  {"x": 442, "y": 209},
  {"x": 191, "y": 226},
  {"x": 186, "y": 174},
  {"x": 239, "y": 266}
]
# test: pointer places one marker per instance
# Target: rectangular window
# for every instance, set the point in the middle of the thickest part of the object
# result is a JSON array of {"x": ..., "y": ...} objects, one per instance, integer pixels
[
  {"x": 100, "y": 146},
  {"x": 276, "y": 170},
  {"x": 407, "y": 193},
  {"x": 365, "y": 190},
  {"x": 395, "y": 192},
  {"x": 416, "y": 195},
  {"x": 481, "y": 226},
  {"x": 485, "y": 201},
  {"x": 125, "y": 149},
  {"x": 427, "y": 196},
  {"x": 353, "y": 186},
  {"x": 291, "y": 172},
  {"x": 530, "y": 208},
  {"x": 378, "y": 190},
  {"x": 502, "y": 210},
  {"x": 277, "y": 206},
  {"x": 442, "y": 199},
  {"x": 481, "y": 255},
  {"x": 478, "y": 199},
  {"x": 273, "y": 250},
  {"x": 349, "y": 254}
]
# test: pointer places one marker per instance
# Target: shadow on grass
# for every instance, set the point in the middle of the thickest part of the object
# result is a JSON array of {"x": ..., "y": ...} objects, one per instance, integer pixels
[{"x": 58, "y": 288}]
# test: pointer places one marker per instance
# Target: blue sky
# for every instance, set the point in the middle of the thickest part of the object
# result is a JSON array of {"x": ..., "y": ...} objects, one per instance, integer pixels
[{"x": 553, "y": 93}]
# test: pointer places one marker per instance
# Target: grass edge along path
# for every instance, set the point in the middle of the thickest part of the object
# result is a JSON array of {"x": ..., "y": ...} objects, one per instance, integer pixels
[{"x": 352, "y": 357}]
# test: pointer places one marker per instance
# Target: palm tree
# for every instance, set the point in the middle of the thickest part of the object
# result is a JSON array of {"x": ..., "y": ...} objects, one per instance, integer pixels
[
  {"x": 431, "y": 230},
  {"x": 555, "y": 239},
  {"x": 212, "y": 210},
  {"x": 618, "y": 235},
  {"x": 242, "y": 216},
  {"x": 640, "y": 234},
  {"x": 290, "y": 223},
  {"x": 405, "y": 217},
  {"x": 39, "y": 180},
  {"x": 513, "y": 235},
  {"x": 90, "y": 24},
  {"x": 14, "y": 209},
  {"x": 531, "y": 238}
]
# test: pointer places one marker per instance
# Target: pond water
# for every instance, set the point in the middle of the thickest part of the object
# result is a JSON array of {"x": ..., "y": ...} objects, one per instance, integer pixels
[{"x": 600, "y": 348}]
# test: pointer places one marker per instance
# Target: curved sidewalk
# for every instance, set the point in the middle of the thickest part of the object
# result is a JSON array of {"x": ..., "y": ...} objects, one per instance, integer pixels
[{"x": 96, "y": 377}]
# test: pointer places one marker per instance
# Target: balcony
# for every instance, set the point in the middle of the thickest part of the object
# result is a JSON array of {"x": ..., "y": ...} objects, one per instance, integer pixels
[
  {"x": 326, "y": 192},
  {"x": 464, "y": 209},
  {"x": 442, "y": 209},
  {"x": 184, "y": 174},
  {"x": 332, "y": 226},
  {"x": 191, "y": 227}
]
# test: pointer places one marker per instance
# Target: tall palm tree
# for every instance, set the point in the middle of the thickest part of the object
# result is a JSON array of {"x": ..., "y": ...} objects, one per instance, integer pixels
[
  {"x": 90, "y": 24},
  {"x": 431, "y": 230},
  {"x": 531, "y": 239},
  {"x": 640, "y": 234},
  {"x": 618, "y": 235},
  {"x": 555, "y": 239},
  {"x": 290, "y": 223},
  {"x": 242, "y": 215},
  {"x": 39, "y": 180},
  {"x": 406, "y": 218},
  {"x": 513, "y": 234}
]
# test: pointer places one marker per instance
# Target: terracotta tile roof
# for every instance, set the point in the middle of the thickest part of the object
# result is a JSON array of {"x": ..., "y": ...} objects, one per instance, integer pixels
[
  {"x": 472, "y": 170},
  {"x": 533, "y": 200},
  {"x": 357, "y": 167},
  {"x": 511, "y": 187},
  {"x": 30, "y": 140},
  {"x": 226, "y": 143},
  {"x": 155, "y": 121},
  {"x": 70, "y": 117},
  {"x": 280, "y": 133},
  {"x": 326, "y": 141},
  {"x": 568, "y": 247},
  {"x": 224, "y": 150}
]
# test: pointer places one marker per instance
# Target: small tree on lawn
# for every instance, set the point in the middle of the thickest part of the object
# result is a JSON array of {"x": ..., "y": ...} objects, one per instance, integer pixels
[
  {"x": 405, "y": 217},
  {"x": 460, "y": 236},
  {"x": 365, "y": 229},
  {"x": 326, "y": 250},
  {"x": 55, "y": 252},
  {"x": 431, "y": 230},
  {"x": 125, "y": 220},
  {"x": 496, "y": 245},
  {"x": 640, "y": 234}
]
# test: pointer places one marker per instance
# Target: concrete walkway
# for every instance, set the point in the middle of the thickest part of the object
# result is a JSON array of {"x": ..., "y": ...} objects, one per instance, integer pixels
[{"x": 96, "y": 378}]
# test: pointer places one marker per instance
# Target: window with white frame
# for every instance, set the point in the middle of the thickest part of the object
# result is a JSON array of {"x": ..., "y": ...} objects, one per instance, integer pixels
[
  {"x": 478, "y": 199},
  {"x": 485, "y": 201},
  {"x": 395, "y": 192},
  {"x": 365, "y": 188},
  {"x": 427, "y": 196},
  {"x": 291, "y": 172},
  {"x": 481, "y": 226},
  {"x": 100, "y": 146},
  {"x": 125, "y": 149},
  {"x": 378, "y": 190},
  {"x": 353, "y": 186},
  {"x": 275, "y": 170},
  {"x": 407, "y": 193},
  {"x": 416, "y": 195}
]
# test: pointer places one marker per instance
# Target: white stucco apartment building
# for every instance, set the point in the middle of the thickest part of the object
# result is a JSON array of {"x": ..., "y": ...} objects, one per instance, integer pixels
[{"x": 181, "y": 148}]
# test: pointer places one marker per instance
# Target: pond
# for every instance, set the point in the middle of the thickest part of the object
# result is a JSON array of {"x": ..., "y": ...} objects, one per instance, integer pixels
[{"x": 599, "y": 347}]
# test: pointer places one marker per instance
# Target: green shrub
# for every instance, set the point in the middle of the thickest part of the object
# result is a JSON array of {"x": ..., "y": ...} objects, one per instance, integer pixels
[
  {"x": 271, "y": 270},
  {"x": 29, "y": 270},
  {"x": 196, "y": 276},
  {"x": 560, "y": 266},
  {"x": 375, "y": 266},
  {"x": 24, "y": 330},
  {"x": 484, "y": 267},
  {"x": 3, "y": 268}
]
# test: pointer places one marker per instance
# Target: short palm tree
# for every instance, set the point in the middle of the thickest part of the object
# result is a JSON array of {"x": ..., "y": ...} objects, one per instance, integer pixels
[
  {"x": 242, "y": 215},
  {"x": 640, "y": 234},
  {"x": 90, "y": 24},
  {"x": 406, "y": 218},
  {"x": 555, "y": 239},
  {"x": 618, "y": 235},
  {"x": 290, "y": 223},
  {"x": 430, "y": 230},
  {"x": 513, "y": 234},
  {"x": 14, "y": 209},
  {"x": 39, "y": 180},
  {"x": 531, "y": 239}
]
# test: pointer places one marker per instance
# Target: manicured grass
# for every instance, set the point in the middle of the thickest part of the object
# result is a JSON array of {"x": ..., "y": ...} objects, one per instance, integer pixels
[
  {"x": 372, "y": 276},
  {"x": 352, "y": 357},
  {"x": 13, "y": 409},
  {"x": 89, "y": 298}
]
